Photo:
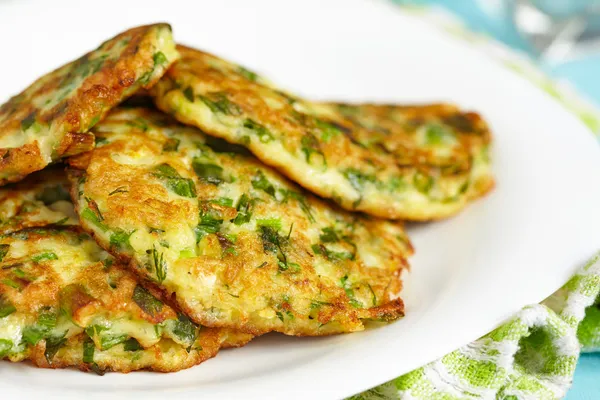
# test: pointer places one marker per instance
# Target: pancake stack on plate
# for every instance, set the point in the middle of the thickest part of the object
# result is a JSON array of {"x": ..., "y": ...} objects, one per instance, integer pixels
[{"x": 160, "y": 203}]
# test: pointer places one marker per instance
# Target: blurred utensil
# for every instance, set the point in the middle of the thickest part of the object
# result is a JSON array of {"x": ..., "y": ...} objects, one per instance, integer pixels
[{"x": 559, "y": 29}]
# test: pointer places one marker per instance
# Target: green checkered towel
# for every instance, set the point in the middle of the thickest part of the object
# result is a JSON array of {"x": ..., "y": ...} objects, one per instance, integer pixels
[{"x": 533, "y": 355}]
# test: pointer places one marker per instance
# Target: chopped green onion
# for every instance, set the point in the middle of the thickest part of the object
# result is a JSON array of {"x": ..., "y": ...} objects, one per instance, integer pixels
[
  {"x": 6, "y": 307},
  {"x": 132, "y": 344},
  {"x": 5, "y": 347},
  {"x": 44, "y": 257},
  {"x": 208, "y": 173},
  {"x": 264, "y": 135},
  {"x": 4, "y": 250},
  {"x": 53, "y": 344},
  {"x": 146, "y": 301},
  {"x": 260, "y": 181}
]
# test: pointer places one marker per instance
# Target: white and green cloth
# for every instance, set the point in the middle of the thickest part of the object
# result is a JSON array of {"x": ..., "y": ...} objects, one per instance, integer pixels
[{"x": 533, "y": 355}]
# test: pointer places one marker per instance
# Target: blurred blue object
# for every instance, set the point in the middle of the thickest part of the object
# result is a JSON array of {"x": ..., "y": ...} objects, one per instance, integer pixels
[
  {"x": 492, "y": 18},
  {"x": 587, "y": 379}
]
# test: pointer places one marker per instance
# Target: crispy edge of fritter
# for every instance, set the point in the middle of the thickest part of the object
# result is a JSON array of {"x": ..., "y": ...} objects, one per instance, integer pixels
[
  {"x": 71, "y": 355},
  {"x": 164, "y": 356},
  {"x": 389, "y": 311},
  {"x": 382, "y": 206},
  {"x": 97, "y": 94}
]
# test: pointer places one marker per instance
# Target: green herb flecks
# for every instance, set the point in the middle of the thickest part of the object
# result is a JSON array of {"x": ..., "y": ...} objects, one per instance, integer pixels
[
  {"x": 423, "y": 182},
  {"x": 185, "y": 330},
  {"x": 210, "y": 222},
  {"x": 4, "y": 248},
  {"x": 331, "y": 255},
  {"x": 218, "y": 103},
  {"x": 139, "y": 123},
  {"x": 146, "y": 301},
  {"x": 93, "y": 122},
  {"x": 260, "y": 182},
  {"x": 274, "y": 223},
  {"x": 88, "y": 350},
  {"x": 108, "y": 341},
  {"x": 41, "y": 329},
  {"x": 373, "y": 295},
  {"x": 173, "y": 181},
  {"x": 132, "y": 344},
  {"x": 208, "y": 173},
  {"x": 106, "y": 338},
  {"x": 396, "y": 184},
  {"x": 28, "y": 121},
  {"x": 310, "y": 145},
  {"x": 119, "y": 239},
  {"x": 316, "y": 304},
  {"x": 92, "y": 214},
  {"x": 171, "y": 144},
  {"x": 6, "y": 307},
  {"x": 223, "y": 201},
  {"x": 99, "y": 140},
  {"x": 46, "y": 256},
  {"x": 270, "y": 238},
  {"x": 246, "y": 73},
  {"x": 264, "y": 135},
  {"x": 244, "y": 210},
  {"x": 329, "y": 235},
  {"x": 5, "y": 347},
  {"x": 53, "y": 345},
  {"x": 19, "y": 273},
  {"x": 159, "y": 58},
  {"x": 436, "y": 134},
  {"x": 327, "y": 129},
  {"x": 219, "y": 145},
  {"x": 347, "y": 286},
  {"x": 227, "y": 243},
  {"x": 188, "y": 92},
  {"x": 12, "y": 284},
  {"x": 187, "y": 253},
  {"x": 160, "y": 265},
  {"x": 273, "y": 242},
  {"x": 358, "y": 179}
]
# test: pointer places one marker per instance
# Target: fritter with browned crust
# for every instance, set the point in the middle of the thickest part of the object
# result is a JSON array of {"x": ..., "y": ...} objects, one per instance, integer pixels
[
  {"x": 64, "y": 302},
  {"x": 234, "y": 243},
  {"x": 40, "y": 200},
  {"x": 416, "y": 163},
  {"x": 51, "y": 119}
]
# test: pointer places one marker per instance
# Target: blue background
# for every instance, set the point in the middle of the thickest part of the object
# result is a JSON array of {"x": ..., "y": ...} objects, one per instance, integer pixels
[{"x": 584, "y": 74}]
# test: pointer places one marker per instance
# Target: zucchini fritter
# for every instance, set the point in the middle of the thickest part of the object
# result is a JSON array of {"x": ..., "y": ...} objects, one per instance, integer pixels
[
  {"x": 66, "y": 302},
  {"x": 415, "y": 163},
  {"x": 231, "y": 240},
  {"x": 51, "y": 119},
  {"x": 40, "y": 200}
]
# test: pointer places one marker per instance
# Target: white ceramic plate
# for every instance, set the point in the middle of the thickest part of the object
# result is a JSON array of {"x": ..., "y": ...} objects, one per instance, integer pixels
[{"x": 471, "y": 272}]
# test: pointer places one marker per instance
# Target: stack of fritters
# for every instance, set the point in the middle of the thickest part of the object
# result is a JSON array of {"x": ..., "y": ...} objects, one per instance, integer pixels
[{"x": 164, "y": 242}]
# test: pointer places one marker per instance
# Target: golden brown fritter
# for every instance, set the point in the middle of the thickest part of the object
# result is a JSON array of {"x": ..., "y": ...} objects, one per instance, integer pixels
[
  {"x": 415, "y": 163},
  {"x": 436, "y": 138},
  {"x": 231, "y": 240},
  {"x": 51, "y": 119},
  {"x": 64, "y": 302},
  {"x": 40, "y": 200}
]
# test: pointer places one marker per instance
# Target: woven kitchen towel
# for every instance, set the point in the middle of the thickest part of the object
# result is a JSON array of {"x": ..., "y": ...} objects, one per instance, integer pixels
[{"x": 533, "y": 355}]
